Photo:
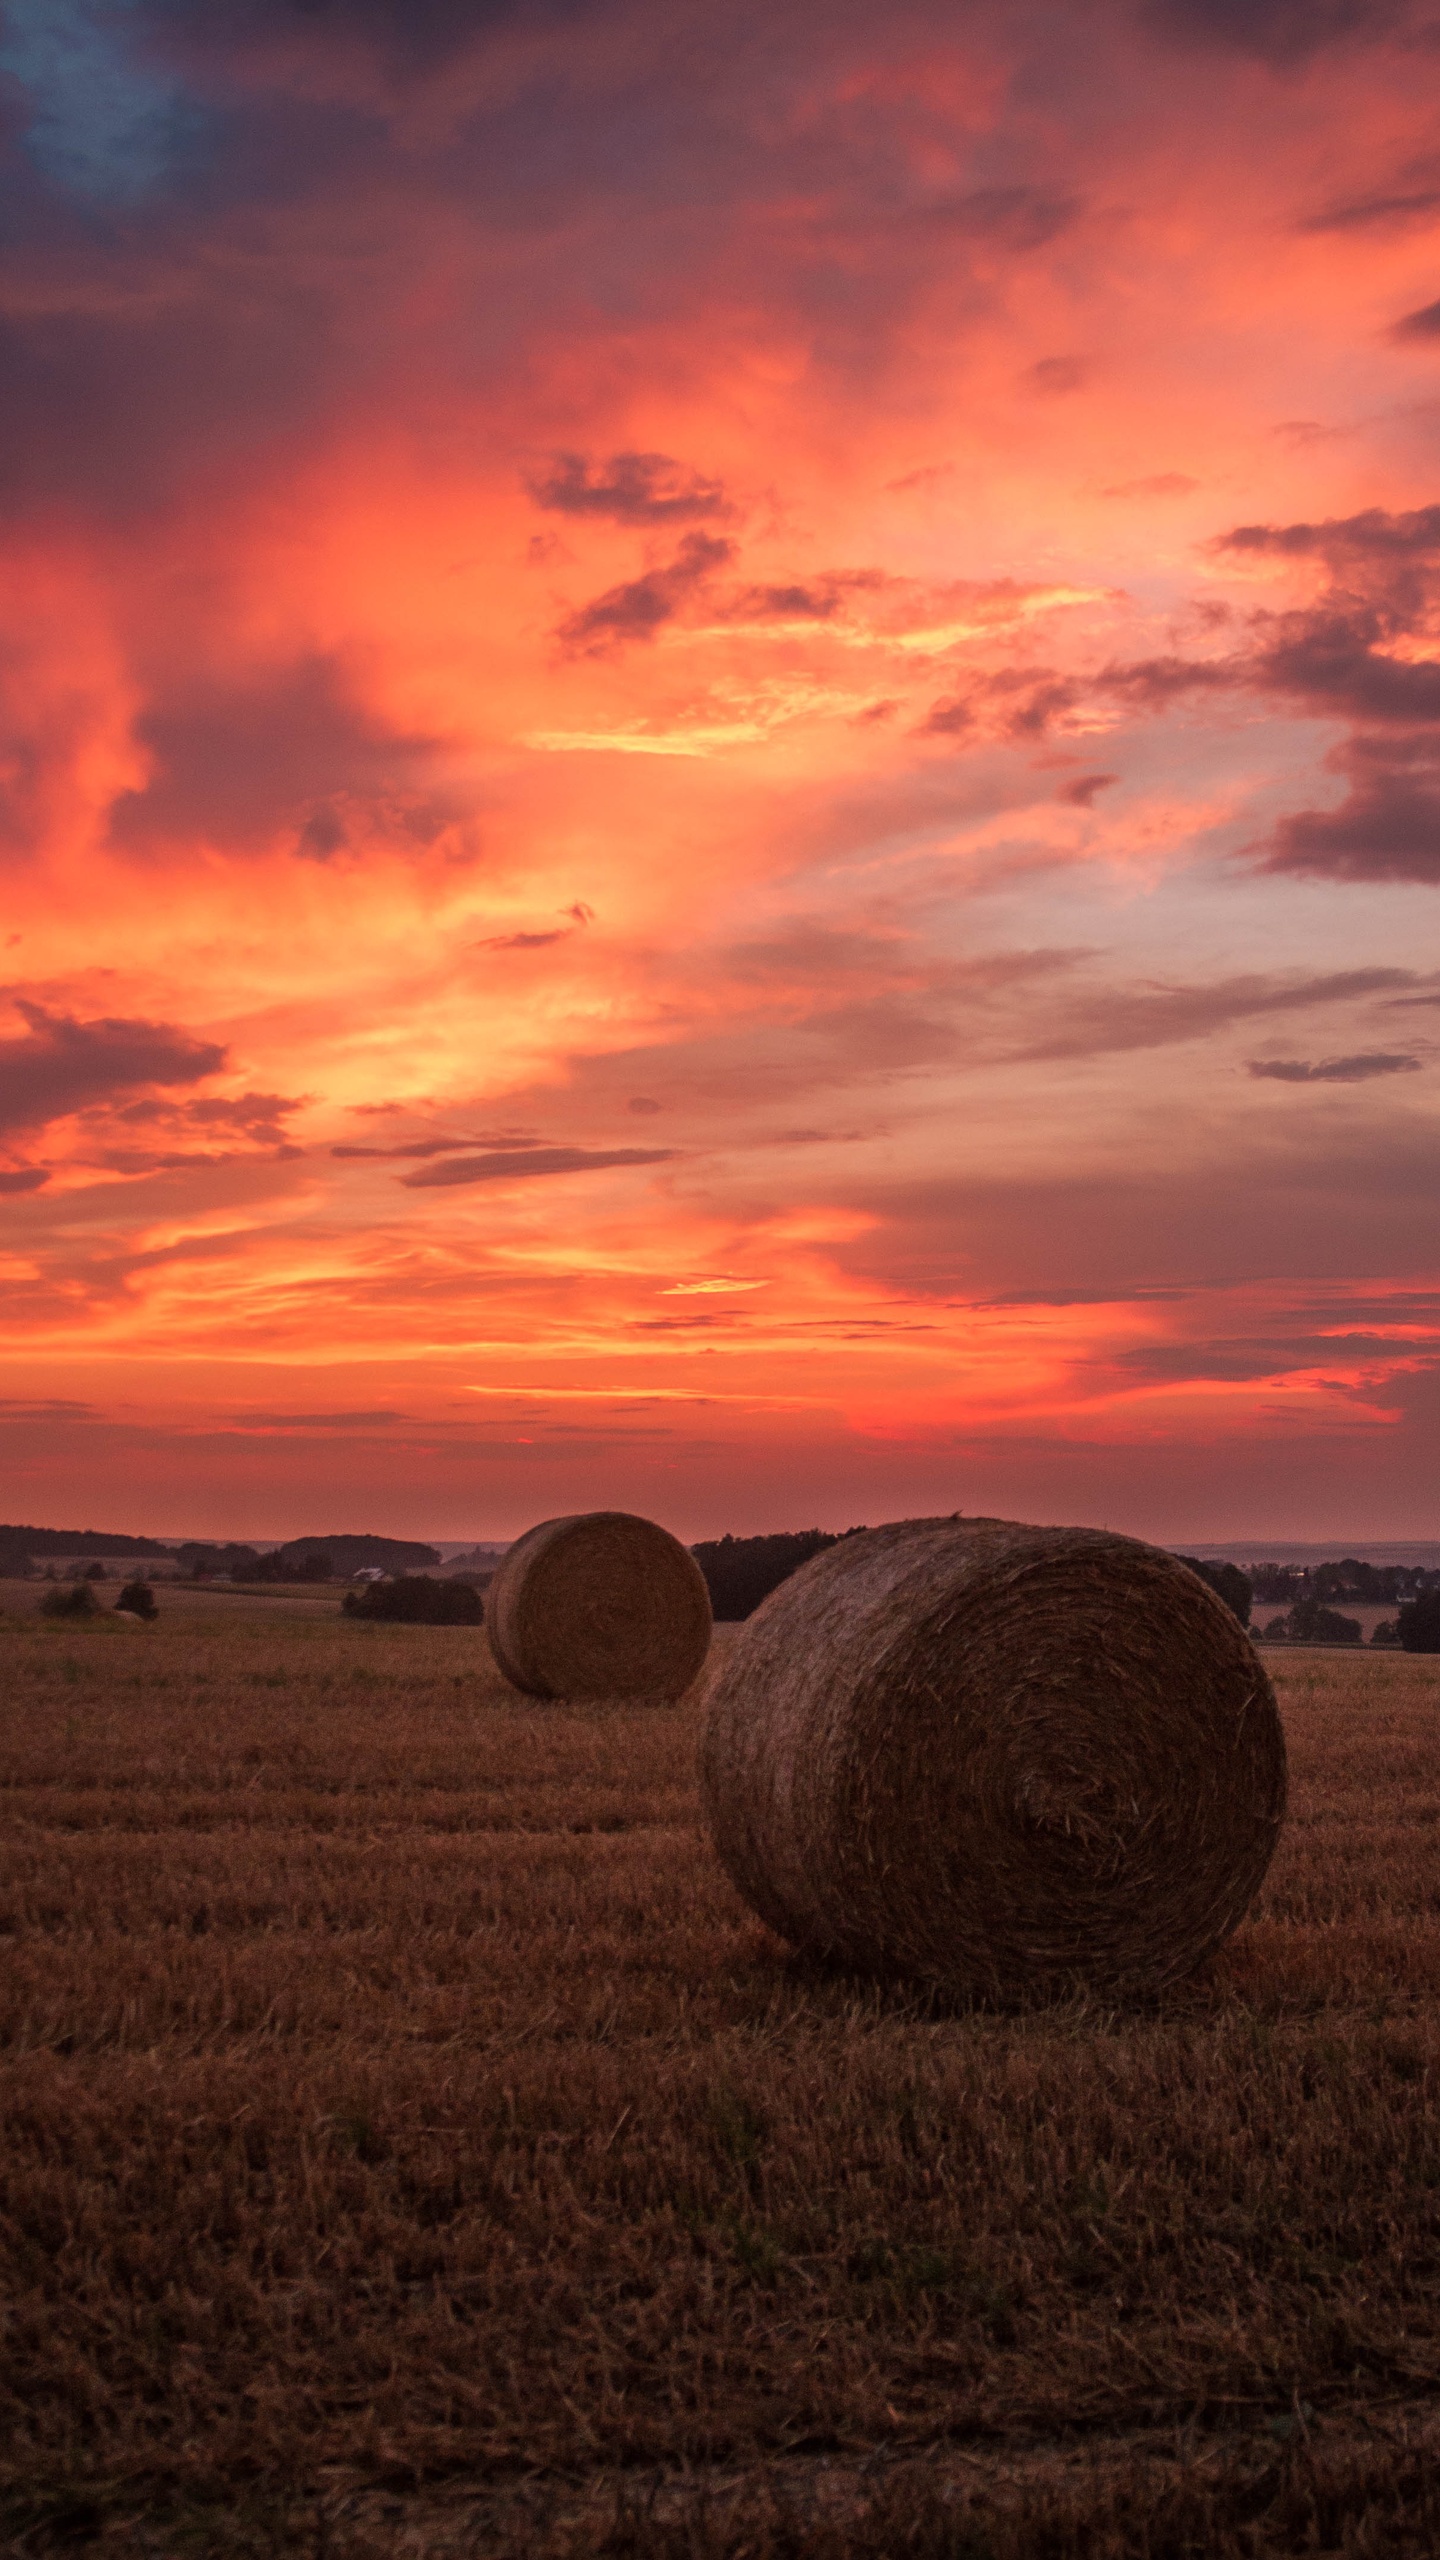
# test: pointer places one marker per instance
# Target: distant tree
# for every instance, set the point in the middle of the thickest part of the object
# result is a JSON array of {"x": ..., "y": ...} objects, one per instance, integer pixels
[
  {"x": 418, "y": 1600},
  {"x": 1349, "y": 1579},
  {"x": 95, "y": 1573},
  {"x": 1310, "y": 1622},
  {"x": 1387, "y": 1632},
  {"x": 741, "y": 1572},
  {"x": 1419, "y": 1623},
  {"x": 1227, "y": 1582},
  {"x": 316, "y": 1567},
  {"x": 1277, "y": 1583},
  {"x": 139, "y": 1599},
  {"x": 69, "y": 1600}
]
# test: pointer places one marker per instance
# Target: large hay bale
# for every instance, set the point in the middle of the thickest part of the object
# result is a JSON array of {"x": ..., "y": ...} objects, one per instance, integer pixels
[
  {"x": 998, "y": 1758},
  {"x": 600, "y": 1604}
]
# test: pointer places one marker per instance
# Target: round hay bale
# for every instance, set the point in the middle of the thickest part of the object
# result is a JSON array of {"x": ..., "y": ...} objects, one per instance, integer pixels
[
  {"x": 1002, "y": 1759},
  {"x": 600, "y": 1604}
]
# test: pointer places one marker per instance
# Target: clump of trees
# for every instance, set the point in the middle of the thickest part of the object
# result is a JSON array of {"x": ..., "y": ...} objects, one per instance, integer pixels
[
  {"x": 1227, "y": 1580},
  {"x": 238, "y": 1563},
  {"x": 741, "y": 1572},
  {"x": 1418, "y": 1625},
  {"x": 1310, "y": 1622},
  {"x": 1340, "y": 1578},
  {"x": 139, "y": 1599},
  {"x": 418, "y": 1600},
  {"x": 70, "y": 1600}
]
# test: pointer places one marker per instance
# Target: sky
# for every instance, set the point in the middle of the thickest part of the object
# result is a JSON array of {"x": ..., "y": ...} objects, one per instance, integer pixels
[{"x": 721, "y": 764}]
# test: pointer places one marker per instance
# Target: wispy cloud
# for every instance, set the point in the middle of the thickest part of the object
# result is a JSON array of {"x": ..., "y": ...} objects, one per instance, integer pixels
[
  {"x": 1360, "y": 1069},
  {"x": 529, "y": 1164}
]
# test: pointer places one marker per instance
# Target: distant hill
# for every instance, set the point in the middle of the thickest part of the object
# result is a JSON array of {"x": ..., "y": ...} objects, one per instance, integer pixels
[
  {"x": 348, "y": 1554},
  {"x": 16, "y": 1540}
]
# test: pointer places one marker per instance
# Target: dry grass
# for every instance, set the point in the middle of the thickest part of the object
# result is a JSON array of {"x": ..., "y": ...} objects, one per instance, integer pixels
[{"x": 396, "y": 2092}]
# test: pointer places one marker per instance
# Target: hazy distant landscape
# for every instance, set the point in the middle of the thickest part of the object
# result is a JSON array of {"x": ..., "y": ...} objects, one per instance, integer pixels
[{"x": 1284, "y": 1594}]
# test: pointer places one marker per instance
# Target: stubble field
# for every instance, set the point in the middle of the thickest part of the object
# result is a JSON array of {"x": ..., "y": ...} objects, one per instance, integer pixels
[{"x": 411, "y": 2144}]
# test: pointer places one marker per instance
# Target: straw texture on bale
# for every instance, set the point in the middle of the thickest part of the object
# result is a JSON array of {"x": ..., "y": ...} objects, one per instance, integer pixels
[
  {"x": 600, "y": 1604},
  {"x": 1001, "y": 1759}
]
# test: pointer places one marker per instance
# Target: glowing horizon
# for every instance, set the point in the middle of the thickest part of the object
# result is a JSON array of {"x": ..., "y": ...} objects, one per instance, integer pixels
[{"x": 724, "y": 770}]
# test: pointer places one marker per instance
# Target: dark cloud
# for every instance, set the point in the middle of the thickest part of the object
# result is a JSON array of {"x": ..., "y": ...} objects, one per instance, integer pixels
[
  {"x": 25, "y": 1177},
  {"x": 1081, "y": 792},
  {"x": 1361, "y": 654},
  {"x": 422, "y": 1147},
  {"x": 641, "y": 1103},
  {"x": 1338, "y": 660},
  {"x": 1053, "y": 376},
  {"x": 1154, "y": 684},
  {"x": 1388, "y": 828},
  {"x": 1423, "y": 324},
  {"x": 948, "y": 719},
  {"x": 1375, "y": 534},
  {"x": 1356, "y": 1070},
  {"x": 1346, "y": 657},
  {"x": 254, "y": 1114},
  {"x": 1047, "y": 701},
  {"x": 813, "y": 600},
  {"x": 321, "y": 836},
  {"x": 63, "y": 1065},
  {"x": 1237, "y": 1361},
  {"x": 60, "y": 1409},
  {"x": 1294, "y": 1201},
  {"x": 1306, "y": 431},
  {"x": 530, "y": 1163},
  {"x": 631, "y": 488},
  {"x": 358, "y": 1418},
  {"x": 637, "y": 610},
  {"x": 259, "y": 1118},
  {"x": 411, "y": 34},
  {"x": 425, "y": 1147},
  {"x": 577, "y": 916},
  {"x": 1047, "y": 697},
  {"x": 1384, "y": 211},
  {"x": 1006, "y": 217},
  {"x": 238, "y": 761},
  {"x": 1115, "y": 1019},
  {"x": 112, "y": 399},
  {"x": 1280, "y": 32}
]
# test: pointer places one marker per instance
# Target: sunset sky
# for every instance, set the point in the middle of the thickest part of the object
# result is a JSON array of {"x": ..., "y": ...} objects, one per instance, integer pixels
[{"x": 721, "y": 764}]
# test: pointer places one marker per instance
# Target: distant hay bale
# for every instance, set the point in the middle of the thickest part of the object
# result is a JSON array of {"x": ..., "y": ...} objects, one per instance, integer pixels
[
  {"x": 600, "y": 1604},
  {"x": 1002, "y": 1759}
]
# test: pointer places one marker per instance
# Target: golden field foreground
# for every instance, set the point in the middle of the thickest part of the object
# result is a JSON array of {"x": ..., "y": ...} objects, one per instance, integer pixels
[{"x": 410, "y": 2144}]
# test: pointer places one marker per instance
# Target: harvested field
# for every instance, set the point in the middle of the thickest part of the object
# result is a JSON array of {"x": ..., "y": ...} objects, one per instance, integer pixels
[{"x": 411, "y": 2144}]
